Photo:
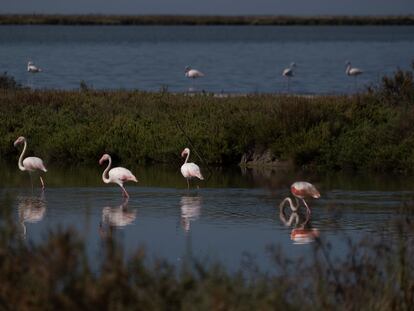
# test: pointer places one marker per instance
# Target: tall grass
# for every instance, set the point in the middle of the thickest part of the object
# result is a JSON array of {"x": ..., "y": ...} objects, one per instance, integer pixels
[{"x": 369, "y": 131}]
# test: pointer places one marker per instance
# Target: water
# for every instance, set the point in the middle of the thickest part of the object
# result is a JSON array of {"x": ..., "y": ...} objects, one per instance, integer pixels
[
  {"x": 234, "y": 212},
  {"x": 238, "y": 59}
]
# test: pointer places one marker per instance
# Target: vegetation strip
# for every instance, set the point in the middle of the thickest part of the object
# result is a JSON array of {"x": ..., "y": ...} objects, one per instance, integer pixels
[
  {"x": 369, "y": 131},
  {"x": 39, "y": 19}
]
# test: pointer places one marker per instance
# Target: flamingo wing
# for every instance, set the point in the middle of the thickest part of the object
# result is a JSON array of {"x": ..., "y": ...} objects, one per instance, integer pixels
[
  {"x": 288, "y": 72},
  {"x": 121, "y": 175},
  {"x": 302, "y": 189},
  {"x": 355, "y": 71},
  {"x": 33, "y": 164},
  {"x": 194, "y": 73},
  {"x": 190, "y": 170}
]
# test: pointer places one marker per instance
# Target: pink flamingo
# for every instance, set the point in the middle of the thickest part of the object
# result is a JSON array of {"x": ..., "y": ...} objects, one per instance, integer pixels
[
  {"x": 30, "y": 164},
  {"x": 190, "y": 170},
  {"x": 301, "y": 190},
  {"x": 117, "y": 175},
  {"x": 193, "y": 73}
]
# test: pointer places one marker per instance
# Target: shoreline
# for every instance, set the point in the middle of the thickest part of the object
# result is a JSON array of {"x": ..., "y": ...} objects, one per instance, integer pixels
[{"x": 206, "y": 20}]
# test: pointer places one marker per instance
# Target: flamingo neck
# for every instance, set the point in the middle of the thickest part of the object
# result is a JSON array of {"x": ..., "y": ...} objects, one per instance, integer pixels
[
  {"x": 348, "y": 69},
  {"x": 186, "y": 159},
  {"x": 293, "y": 207},
  {"x": 20, "y": 163},
  {"x": 104, "y": 178}
]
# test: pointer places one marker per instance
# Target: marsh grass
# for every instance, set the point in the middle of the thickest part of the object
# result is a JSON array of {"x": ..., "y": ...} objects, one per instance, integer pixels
[{"x": 369, "y": 131}]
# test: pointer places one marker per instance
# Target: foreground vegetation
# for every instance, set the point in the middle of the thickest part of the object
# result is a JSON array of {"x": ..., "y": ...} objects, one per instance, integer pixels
[
  {"x": 39, "y": 19},
  {"x": 56, "y": 274},
  {"x": 369, "y": 131}
]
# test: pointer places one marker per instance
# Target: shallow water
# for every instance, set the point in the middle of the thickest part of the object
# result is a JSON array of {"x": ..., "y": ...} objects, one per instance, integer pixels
[
  {"x": 238, "y": 59},
  {"x": 233, "y": 213}
]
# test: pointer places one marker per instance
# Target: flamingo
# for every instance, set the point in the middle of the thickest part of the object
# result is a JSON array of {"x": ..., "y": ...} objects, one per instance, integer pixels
[
  {"x": 352, "y": 71},
  {"x": 32, "y": 68},
  {"x": 193, "y": 73},
  {"x": 30, "y": 164},
  {"x": 117, "y": 175},
  {"x": 190, "y": 170},
  {"x": 301, "y": 190},
  {"x": 289, "y": 73}
]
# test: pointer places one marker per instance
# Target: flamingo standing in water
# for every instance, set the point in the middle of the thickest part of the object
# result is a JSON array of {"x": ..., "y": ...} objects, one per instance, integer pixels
[
  {"x": 301, "y": 190},
  {"x": 352, "y": 71},
  {"x": 32, "y": 68},
  {"x": 117, "y": 175},
  {"x": 30, "y": 164},
  {"x": 193, "y": 73},
  {"x": 190, "y": 170},
  {"x": 289, "y": 73}
]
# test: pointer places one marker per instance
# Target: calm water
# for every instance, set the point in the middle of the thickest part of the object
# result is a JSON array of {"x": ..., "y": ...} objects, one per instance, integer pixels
[
  {"x": 233, "y": 213},
  {"x": 235, "y": 59}
]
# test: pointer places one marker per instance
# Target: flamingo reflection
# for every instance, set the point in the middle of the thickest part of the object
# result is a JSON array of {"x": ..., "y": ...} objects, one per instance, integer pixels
[
  {"x": 303, "y": 232},
  {"x": 190, "y": 210},
  {"x": 118, "y": 216},
  {"x": 31, "y": 210}
]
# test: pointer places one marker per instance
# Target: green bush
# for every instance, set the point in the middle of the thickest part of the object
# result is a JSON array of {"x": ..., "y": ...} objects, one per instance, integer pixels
[{"x": 373, "y": 131}]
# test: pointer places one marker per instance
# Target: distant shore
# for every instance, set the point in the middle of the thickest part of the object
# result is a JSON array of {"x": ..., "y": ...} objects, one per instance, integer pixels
[{"x": 124, "y": 20}]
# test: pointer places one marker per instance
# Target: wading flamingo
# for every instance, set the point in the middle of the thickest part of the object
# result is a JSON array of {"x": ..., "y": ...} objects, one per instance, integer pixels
[
  {"x": 117, "y": 175},
  {"x": 289, "y": 73},
  {"x": 190, "y": 170},
  {"x": 32, "y": 68},
  {"x": 193, "y": 73},
  {"x": 30, "y": 164},
  {"x": 301, "y": 190},
  {"x": 352, "y": 71}
]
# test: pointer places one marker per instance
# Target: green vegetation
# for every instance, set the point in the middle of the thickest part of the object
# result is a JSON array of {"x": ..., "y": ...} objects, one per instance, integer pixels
[
  {"x": 14, "y": 19},
  {"x": 56, "y": 274},
  {"x": 369, "y": 131}
]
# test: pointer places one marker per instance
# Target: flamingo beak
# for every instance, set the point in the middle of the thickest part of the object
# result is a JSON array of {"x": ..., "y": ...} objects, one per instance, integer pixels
[
  {"x": 183, "y": 154},
  {"x": 316, "y": 195},
  {"x": 18, "y": 141},
  {"x": 101, "y": 161}
]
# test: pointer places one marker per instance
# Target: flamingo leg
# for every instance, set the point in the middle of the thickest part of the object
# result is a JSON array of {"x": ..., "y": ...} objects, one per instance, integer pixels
[
  {"x": 307, "y": 207},
  {"x": 124, "y": 192},
  {"x": 41, "y": 181},
  {"x": 31, "y": 180},
  {"x": 188, "y": 184}
]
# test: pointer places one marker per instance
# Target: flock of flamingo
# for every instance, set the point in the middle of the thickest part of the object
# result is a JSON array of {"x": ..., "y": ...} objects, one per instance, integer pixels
[
  {"x": 192, "y": 73},
  {"x": 300, "y": 190},
  {"x": 119, "y": 175}
]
